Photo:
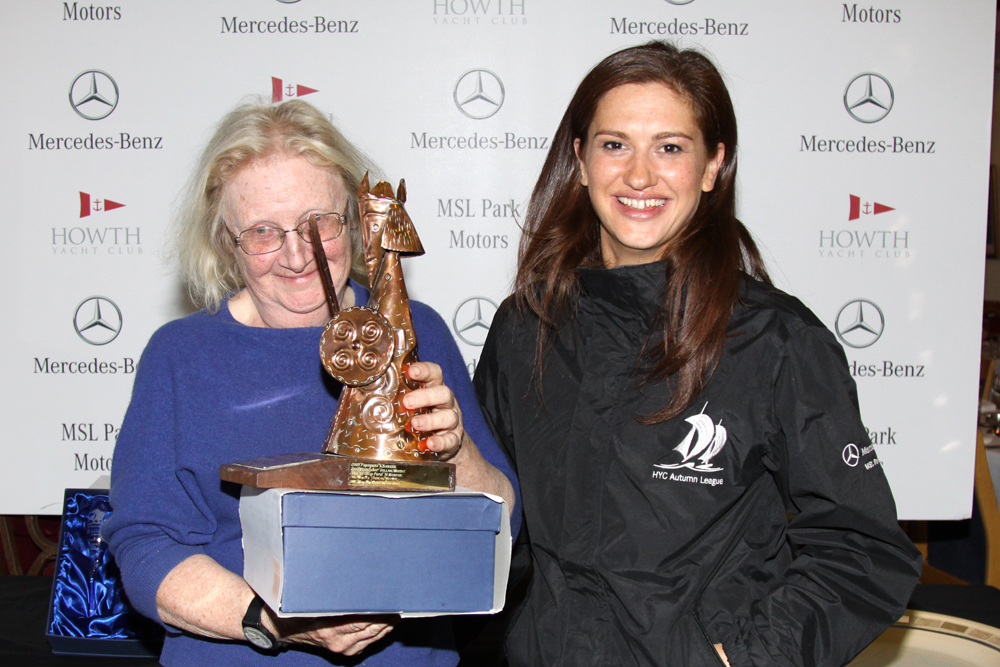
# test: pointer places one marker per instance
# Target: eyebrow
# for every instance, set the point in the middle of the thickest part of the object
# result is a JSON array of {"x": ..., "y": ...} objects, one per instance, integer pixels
[
  {"x": 656, "y": 137},
  {"x": 303, "y": 218}
]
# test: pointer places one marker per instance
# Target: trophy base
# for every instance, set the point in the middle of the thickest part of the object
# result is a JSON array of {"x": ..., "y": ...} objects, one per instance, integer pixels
[{"x": 330, "y": 472}]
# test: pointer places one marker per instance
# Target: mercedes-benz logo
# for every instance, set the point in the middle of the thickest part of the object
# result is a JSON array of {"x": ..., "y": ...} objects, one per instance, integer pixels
[
  {"x": 851, "y": 455},
  {"x": 680, "y": 2},
  {"x": 869, "y": 97},
  {"x": 97, "y": 320},
  {"x": 288, "y": 2},
  {"x": 479, "y": 93},
  {"x": 93, "y": 94},
  {"x": 860, "y": 323},
  {"x": 473, "y": 318}
]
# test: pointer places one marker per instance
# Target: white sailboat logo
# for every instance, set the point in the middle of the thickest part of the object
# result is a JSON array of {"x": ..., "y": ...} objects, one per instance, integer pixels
[{"x": 700, "y": 445}]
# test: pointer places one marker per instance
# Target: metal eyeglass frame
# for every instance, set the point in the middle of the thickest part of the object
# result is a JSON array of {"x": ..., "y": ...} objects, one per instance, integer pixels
[{"x": 301, "y": 229}]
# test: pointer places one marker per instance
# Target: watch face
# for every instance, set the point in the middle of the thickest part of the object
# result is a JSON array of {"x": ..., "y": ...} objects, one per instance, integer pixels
[{"x": 257, "y": 638}]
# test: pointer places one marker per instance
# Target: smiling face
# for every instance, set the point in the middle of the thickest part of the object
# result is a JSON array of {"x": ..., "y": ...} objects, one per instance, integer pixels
[
  {"x": 645, "y": 164},
  {"x": 284, "y": 288}
]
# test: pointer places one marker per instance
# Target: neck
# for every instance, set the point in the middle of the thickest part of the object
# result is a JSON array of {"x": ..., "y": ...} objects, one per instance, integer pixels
[{"x": 247, "y": 310}]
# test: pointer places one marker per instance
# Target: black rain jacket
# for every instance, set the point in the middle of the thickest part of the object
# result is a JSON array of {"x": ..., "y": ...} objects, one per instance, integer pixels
[{"x": 759, "y": 518}]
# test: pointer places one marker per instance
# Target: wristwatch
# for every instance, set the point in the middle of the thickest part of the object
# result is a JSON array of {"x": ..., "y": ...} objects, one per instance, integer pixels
[{"x": 255, "y": 631}]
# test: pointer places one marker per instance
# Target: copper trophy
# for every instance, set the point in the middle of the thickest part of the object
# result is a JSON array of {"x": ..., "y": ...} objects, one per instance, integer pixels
[{"x": 370, "y": 445}]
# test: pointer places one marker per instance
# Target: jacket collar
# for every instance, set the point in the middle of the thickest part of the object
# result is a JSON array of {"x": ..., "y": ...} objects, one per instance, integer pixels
[{"x": 630, "y": 292}]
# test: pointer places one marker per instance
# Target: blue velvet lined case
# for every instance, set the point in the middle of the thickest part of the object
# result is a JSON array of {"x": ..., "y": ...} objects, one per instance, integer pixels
[{"x": 88, "y": 612}]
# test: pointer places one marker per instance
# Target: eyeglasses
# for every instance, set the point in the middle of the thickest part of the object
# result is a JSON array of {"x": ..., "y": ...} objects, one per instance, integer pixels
[{"x": 264, "y": 239}]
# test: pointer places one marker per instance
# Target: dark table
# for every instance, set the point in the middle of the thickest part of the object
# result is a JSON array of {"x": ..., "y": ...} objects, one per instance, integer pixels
[{"x": 24, "y": 606}]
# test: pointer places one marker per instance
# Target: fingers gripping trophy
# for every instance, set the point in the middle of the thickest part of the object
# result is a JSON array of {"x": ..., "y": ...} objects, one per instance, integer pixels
[{"x": 371, "y": 444}]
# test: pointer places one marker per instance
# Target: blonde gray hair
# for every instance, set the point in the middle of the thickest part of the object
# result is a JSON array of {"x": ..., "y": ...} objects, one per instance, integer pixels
[{"x": 249, "y": 133}]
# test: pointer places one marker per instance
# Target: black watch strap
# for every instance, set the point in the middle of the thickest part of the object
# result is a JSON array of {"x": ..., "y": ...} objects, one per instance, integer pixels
[{"x": 255, "y": 631}]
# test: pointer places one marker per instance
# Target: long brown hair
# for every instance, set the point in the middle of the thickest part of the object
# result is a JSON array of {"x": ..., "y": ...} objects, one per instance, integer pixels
[{"x": 705, "y": 262}]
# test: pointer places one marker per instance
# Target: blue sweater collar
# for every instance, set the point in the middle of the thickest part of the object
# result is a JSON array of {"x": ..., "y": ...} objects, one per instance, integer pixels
[{"x": 361, "y": 296}]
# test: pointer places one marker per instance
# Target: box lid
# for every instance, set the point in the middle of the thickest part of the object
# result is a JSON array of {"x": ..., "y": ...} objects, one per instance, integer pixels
[{"x": 424, "y": 512}]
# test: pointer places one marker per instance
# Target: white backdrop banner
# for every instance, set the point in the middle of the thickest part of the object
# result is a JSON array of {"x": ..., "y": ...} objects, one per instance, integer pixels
[{"x": 863, "y": 174}]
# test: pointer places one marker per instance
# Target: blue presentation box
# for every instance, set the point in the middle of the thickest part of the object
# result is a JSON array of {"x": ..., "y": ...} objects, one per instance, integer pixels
[
  {"x": 324, "y": 553},
  {"x": 88, "y": 611}
]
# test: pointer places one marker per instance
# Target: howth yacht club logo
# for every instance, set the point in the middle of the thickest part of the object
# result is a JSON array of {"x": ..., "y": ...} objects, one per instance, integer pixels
[
  {"x": 90, "y": 204},
  {"x": 280, "y": 90},
  {"x": 867, "y": 208}
]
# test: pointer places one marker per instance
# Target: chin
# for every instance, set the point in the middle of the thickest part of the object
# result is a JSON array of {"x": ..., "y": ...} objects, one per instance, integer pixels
[{"x": 302, "y": 304}]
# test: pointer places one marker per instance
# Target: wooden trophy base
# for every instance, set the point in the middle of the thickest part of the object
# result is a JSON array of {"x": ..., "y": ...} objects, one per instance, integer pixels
[{"x": 330, "y": 472}]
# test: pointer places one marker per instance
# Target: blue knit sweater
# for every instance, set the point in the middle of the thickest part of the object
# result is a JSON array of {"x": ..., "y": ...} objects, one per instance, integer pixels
[{"x": 209, "y": 390}]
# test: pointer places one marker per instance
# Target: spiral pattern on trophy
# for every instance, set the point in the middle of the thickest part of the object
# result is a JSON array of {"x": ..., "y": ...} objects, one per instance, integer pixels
[
  {"x": 356, "y": 346},
  {"x": 368, "y": 361},
  {"x": 378, "y": 415},
  {"x": 343, "y": 330},
  {"x": 371, "y": 331},
  {"x": 342, "y": 360}
]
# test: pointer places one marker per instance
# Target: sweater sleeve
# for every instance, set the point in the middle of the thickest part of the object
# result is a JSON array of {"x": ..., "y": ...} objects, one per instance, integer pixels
[
  {"x": 437, "y": 345},
  {"x": 854, "y": 568},
  {"x": 160, "y": 517}
]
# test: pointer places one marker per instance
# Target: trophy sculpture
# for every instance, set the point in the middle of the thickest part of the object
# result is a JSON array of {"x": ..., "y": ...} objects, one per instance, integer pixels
[{"x": 370, "y": 444}]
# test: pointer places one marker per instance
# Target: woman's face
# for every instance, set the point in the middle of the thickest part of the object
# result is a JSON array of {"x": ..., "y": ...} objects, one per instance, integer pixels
[
  {"x": 281, "y": 191},
  {"x": 645, "y": 165}
]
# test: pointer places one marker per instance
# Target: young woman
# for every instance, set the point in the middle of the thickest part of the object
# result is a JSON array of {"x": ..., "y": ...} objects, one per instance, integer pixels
[{"x": 678, "y": 425}]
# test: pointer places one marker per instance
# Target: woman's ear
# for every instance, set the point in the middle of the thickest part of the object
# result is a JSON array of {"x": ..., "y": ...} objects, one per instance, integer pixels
[
  {"x": 582, "y": 164},
  {"x": 712, "y": 168}
]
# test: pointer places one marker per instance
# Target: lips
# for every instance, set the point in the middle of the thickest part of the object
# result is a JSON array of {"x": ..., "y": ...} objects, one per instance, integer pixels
[
  {"x": 641, "y": 204},
  {"x": 300, "y": 277}
]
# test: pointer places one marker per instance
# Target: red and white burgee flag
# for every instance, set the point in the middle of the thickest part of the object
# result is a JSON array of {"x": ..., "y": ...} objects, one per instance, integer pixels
[
  {"x": 87, "y": 205},
  {"x": 278, "y": 92},
  {"x": 869, "y": 208}
]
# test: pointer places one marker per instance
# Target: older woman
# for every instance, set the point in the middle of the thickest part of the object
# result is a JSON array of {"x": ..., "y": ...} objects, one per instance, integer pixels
[
  {"x": 685, "y": 403},
  {"x": 242, "y": 378}
]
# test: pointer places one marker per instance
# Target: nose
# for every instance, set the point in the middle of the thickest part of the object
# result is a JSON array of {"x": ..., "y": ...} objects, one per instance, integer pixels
[
  {"x": 297, "y": 252},
  {"x": 640, "y": 174}
]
